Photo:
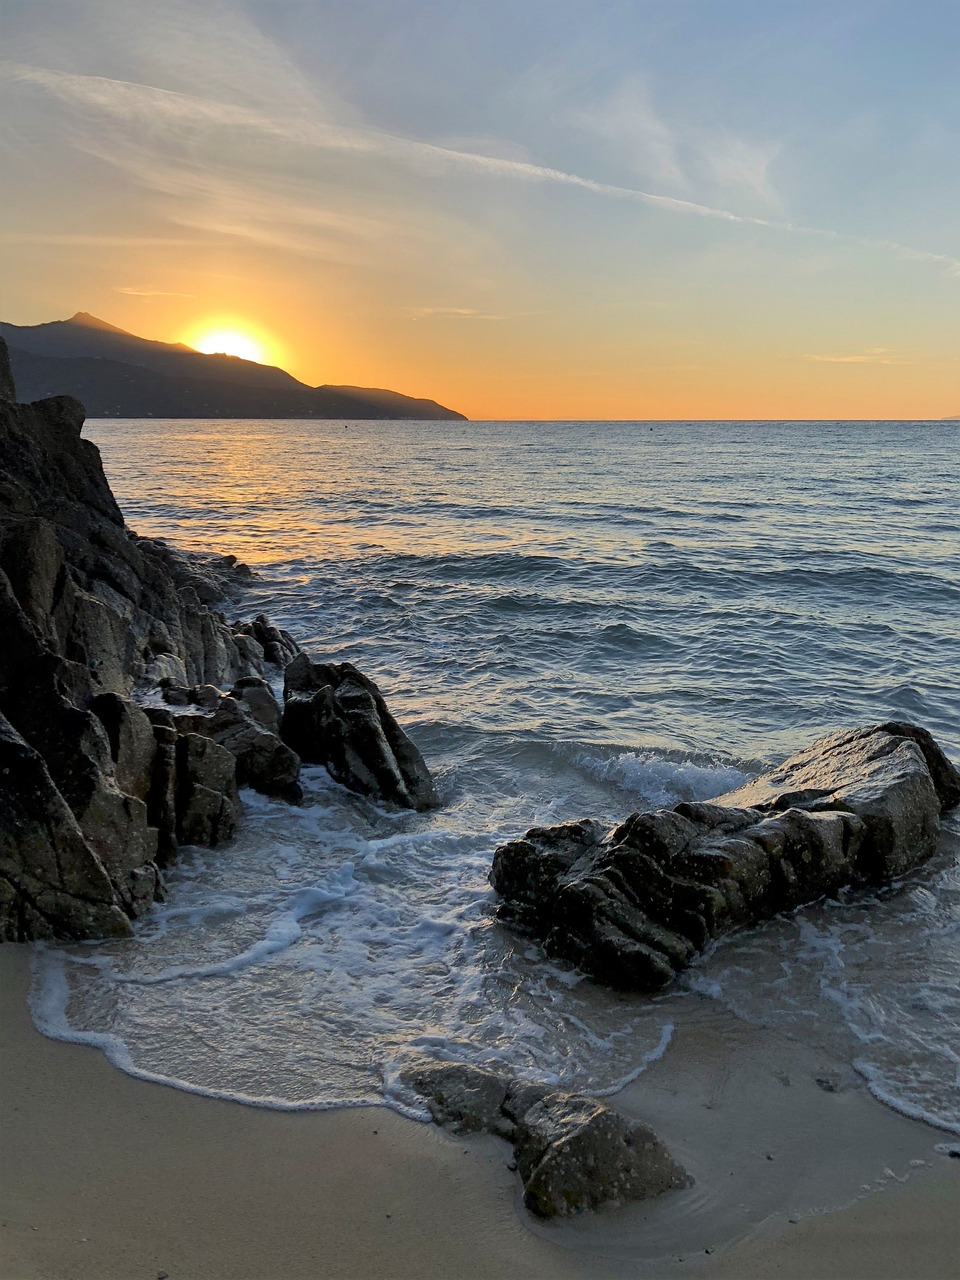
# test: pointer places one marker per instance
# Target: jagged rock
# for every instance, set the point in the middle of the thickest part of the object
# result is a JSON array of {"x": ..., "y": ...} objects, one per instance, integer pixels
[
  {"x": 88, "y": 614},
  {"x": 133, "y": 747},
  {"x": 335, "y": 716},
  {"x": 207, "y": 804},
  {"x": 205, "y": 695},
  {"x": 52, "y": 885},
  {"x": 279, "y": 647},
  {"x": 264, "y": 762},
  {"x": 258, "y": 699},
  {"x": 573, "y": 1153},
  {"x": 634, "y": 906}
]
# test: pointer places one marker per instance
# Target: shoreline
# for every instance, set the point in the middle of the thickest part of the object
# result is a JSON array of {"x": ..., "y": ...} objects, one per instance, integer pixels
[{"x": 104, "y": 1175}]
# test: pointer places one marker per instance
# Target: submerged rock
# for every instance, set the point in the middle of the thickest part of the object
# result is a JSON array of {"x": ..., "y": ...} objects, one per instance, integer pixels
[
  {"x": 573, "y": 1153},
  {"x": 335, "y": 716},
  {"x": 634, "y": 905}
]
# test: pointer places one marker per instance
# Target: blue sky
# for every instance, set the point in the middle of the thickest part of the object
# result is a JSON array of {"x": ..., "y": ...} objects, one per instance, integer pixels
[{"x": 536, "y": 209}]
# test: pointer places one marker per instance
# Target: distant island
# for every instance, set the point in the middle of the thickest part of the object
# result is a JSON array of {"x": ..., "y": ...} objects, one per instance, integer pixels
[{"x": 118, "y": 375}]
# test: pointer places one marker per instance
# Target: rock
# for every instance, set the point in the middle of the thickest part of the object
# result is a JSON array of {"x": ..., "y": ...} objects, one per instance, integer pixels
[
  {"x": 175, "y": 695},
  {"x": 7, "y": 390},
  {"x": 335, "y": 716},
  {"x": 279, "y": 647},
  {"x": 205, "y": 695},
  {"x": 207, "y": 804},
  {"x": 634, "y": 905},
  {"x": 258, "y": 699},
  {"x": 264, "y": 762},
  {"x": 573, "y": 1153},
  {"x": 133, "y": 747},
  {"x": 52, "y": 885},
  {"x": 89, "y": 615},
  {"x": 462, "y": 1098}
]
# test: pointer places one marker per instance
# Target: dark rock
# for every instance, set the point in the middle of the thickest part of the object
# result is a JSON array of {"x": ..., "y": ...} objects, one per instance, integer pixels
[
  {"x": 462, "y": 1098},
  {"x": 207, "y": 804},
  {"x": 573, "y": 1153},
  {"x": 52, "y": 884},
  {"x": 278, "y": 647},
  {"x": 89, "y": 614},
  {"x": 7, "y": 390},
  {"x": 258, "y": 699},
  {"x": 205, "y": 695},
  {"x": 264, "y": 762},
  {"x": 335, "y": 716},
  {"x": 175, "y": 695},
  {"x": 635, "y": 905}
]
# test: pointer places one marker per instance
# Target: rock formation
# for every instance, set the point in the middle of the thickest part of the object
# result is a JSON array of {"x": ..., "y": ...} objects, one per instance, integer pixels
[
  {"x": 333, "y": 715},
  {"x": 634, "y": 905},
  {"x": 573, "y": 1153},
  {"x": 99, "y": 785}
]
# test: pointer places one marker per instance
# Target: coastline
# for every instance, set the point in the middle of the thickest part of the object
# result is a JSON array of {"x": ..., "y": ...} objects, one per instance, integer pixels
[{"x": 107, "y": 1176}]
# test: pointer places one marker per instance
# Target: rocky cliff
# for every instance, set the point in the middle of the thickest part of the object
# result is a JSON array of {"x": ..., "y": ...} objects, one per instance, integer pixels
[{"x": 99, "y": 783}]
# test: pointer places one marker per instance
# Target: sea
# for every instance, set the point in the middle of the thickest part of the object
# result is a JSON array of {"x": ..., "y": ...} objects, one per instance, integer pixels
[{"x": 571, "y": 619}]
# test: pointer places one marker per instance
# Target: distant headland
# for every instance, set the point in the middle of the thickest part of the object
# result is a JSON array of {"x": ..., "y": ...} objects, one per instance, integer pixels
[{"x": 119, "y": 375}]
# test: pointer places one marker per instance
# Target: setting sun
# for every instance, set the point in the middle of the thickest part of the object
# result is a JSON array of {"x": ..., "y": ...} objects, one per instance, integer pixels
[{"x": 230, "y": 342}]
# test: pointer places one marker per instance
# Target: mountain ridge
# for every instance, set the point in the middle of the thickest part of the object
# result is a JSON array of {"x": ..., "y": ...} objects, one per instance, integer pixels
[{"x": 118, "y": 374}]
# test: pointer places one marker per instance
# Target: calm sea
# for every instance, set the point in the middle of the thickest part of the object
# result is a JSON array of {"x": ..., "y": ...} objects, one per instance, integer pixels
[{"x": 571, "y": 619}]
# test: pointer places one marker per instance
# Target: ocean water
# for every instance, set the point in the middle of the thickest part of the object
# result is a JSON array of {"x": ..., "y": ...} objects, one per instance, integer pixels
[{"x": 571, "y": 619}]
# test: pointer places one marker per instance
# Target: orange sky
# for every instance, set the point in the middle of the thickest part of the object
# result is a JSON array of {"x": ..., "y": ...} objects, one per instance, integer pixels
[{"x": 597, "y": 217}]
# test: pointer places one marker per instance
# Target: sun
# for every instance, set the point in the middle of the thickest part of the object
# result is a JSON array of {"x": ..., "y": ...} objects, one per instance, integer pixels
[{"x": 230, "y": 342}]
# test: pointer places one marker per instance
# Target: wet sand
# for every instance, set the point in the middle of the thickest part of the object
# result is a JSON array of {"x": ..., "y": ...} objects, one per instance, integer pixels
[{"x": 105, "y": 1176}]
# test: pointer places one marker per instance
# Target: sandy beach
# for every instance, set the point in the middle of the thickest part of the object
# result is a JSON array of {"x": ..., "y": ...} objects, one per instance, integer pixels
[{"x": 106, "y": 1176}]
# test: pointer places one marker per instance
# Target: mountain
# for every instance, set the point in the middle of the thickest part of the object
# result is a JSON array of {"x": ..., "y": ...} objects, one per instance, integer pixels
[{"x": 118, "y": 375}]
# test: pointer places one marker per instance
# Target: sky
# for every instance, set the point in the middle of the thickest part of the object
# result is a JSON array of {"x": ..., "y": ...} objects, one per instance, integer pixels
[{"x": 521, "y": 208}]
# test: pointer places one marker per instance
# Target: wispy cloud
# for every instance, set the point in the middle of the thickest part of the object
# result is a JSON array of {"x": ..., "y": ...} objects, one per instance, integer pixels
[
  {"x": 82, "y": 240},
  {"x": 873, "y": 355},
  {"x": 679, "y": 155},
  {"x": 151, "y": 293},
  {"x": 185, "y": 115},
  {"x": 453, "y": 313}
]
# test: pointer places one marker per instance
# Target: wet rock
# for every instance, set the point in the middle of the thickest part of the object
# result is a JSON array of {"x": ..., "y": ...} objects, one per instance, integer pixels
[
  {"x": 572, "y": 1152},
  {"x": 264, "y": 762},
  {"x": 634, "y": 905},
  {"x": 259, "y": 701},
  {"x": 462, "y": 1098},
  {"x": 90, "y": 614},
  {"x": 207, "y": 805},
  {"x": 278, "y": 647},
  {"x": 52, "y": 885},
  {"x": 335, "y": 716}
]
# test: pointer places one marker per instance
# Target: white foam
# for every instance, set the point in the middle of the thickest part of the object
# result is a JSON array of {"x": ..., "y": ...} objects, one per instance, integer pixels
[
  {"x": 661, "y": 783},
  {"x": 332, "y": 944}
]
